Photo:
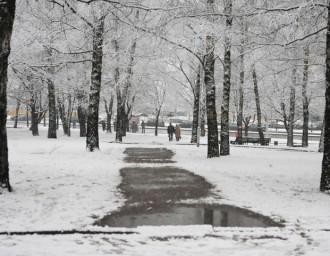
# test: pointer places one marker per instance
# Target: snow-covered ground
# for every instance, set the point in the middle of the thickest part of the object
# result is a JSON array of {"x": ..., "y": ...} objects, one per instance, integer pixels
[{"x": 58, "y": 185}]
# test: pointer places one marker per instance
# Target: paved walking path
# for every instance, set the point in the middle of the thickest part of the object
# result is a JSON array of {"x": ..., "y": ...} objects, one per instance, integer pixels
[{"x": 154, "y": 195}]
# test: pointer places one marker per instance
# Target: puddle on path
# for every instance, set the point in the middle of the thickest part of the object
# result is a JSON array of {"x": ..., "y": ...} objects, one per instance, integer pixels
[
  {"x": 152, "y": 194},
  {"x": 161, "y": 185},
  {"x": 148, "y": 155},
  {"x": 218, "y": 216}
]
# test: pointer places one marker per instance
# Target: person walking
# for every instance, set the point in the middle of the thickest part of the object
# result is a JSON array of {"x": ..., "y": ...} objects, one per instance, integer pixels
[
  {"x": 170, "y": 131},
  {"x": 177, "y": 133},
  {"x": 143, "y": 126}
]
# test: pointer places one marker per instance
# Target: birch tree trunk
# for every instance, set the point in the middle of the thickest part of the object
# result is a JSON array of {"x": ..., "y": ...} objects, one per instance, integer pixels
[
  {"x": 305, "y": 99},
  {"x": 224, "y": 135},
  {"x": 292, "y": 108},
  {"x": 118, "y": 125},
  {"x": 196, "y": 107},
  {"x": 211, "y": 113},
  {"x": 51, "y": 110},
  {"x": 325, "y": 176},
  {"x": 257, "y": 98},
  {"x": 7, "y": 15},
  {"x": 241, "y": 88},
  {"x": 92, "y": 138},
  {"x": 240, "y": 103}
]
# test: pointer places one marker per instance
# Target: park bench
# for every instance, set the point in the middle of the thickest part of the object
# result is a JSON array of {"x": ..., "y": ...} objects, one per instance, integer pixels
[{"x": 254, "y": 140}]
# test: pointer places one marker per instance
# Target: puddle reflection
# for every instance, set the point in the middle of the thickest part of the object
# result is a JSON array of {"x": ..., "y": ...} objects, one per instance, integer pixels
[{"x": 224, "y": 216}]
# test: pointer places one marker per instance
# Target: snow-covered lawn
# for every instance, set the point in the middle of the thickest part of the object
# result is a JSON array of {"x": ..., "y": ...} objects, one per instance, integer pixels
[{"x": 58, "y": 185}]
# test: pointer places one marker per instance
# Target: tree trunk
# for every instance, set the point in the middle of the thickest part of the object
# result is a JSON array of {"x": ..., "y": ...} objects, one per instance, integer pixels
[
  {"x": 69, "y": 113},
  {"x": 44, "y": 119},
  {"x": 292, "y": 109},
  {"x": 119, "y": 124},
  {"x": 212, "y": 124},
  {"x": 51, "y": 110},
  {"x": 157, "y": 122},
  {"x": 246, "y": 122},
  {"x": 257, "y": 98},
  {"x": 119, "y": 134},
  {"x": 127, "y": 85},
  {"x": 325, "y": 176},
  {"x": 18, "y": 105},
  {"x": 57, "y": 119},
  {"x": 241, "y": 88},
  {"x": 126, "y": 124},
  {"x": 196, "y": 107},
  {"x": 63, "y": 117},
  {"x": 321, "y": 142},
  {"x": 82, "y": 118},
  {"x": 34, "y": 118},
  {"x": 92, "y": 139},
  {"x": 108, "y": 124},
  {"x": 82, "y": 114},
  {"x": 27, "y": 115},
  {"x": 109, "y": 109},
  {"x": 120, "y": 104},
  {"x": 7, "y": 14},
  {"x": 246, "y": 130},
  {"x": 203, "y": 130},
  {"x": 224, "y": 135},
  {"x": 305, "y": 99}
]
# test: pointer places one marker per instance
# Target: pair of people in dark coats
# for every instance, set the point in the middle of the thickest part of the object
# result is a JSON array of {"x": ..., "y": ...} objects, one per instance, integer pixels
[{"x": 171, "y": 130}]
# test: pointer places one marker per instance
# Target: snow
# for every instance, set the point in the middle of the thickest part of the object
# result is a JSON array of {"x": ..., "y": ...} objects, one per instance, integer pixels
[{"x": 59, "y": 186}]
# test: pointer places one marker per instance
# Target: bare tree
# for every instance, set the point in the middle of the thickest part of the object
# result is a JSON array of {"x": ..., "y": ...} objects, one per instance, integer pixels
[
  {"x": 241, "y": 83},
  {"x": 197, "y": 106},
  {"x": 108, "y": 106},
  {"x": 257, "y": 99},
  {"x": 92, "y": 138},
  {"x": 211, "y": 113},
  {"x": 290, "y": 120},
  {"x": 158, "y": 97},
  {"x": 66, "y": 104},
  {"x": 123, "y": 91},
  {"x": 224, "y": 135},
  {"x": 325, "y": 176},
  {"x": 51, "y": 101},
  {"x": 82, "y": 112},
  {"x": 305, "y": 98},
  {"x": 7, "y": 14},
  {"x": 248, "y": 121}
]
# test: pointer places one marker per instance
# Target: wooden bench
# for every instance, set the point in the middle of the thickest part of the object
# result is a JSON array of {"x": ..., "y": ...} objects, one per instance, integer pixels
[{"x": 254, "y": 140}]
